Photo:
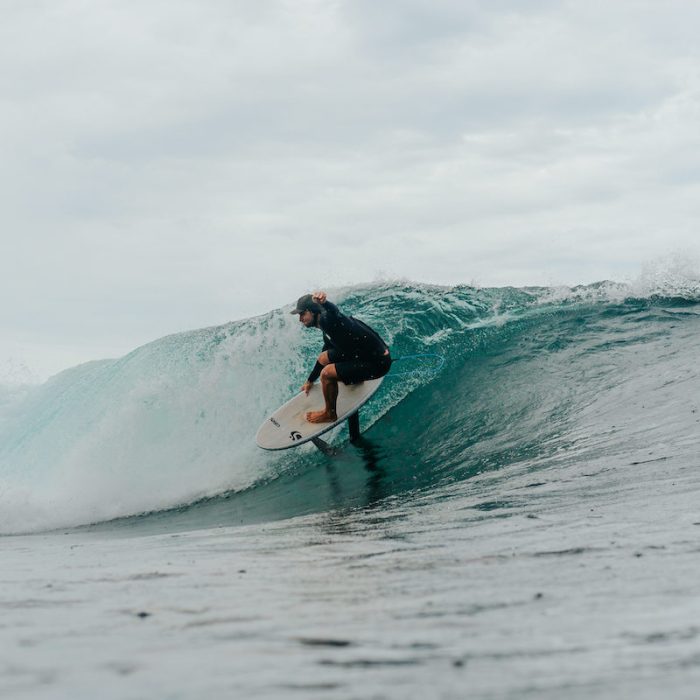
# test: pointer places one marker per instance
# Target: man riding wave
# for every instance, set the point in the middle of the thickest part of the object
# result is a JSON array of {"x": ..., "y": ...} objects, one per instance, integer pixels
[{"x": 352, "y": 352}]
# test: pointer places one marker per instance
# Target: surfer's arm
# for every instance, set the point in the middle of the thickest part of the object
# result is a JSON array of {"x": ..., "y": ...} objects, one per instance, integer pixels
[
  {"x": 332, "y": 312},
  {"x": 316, "y": 371}
]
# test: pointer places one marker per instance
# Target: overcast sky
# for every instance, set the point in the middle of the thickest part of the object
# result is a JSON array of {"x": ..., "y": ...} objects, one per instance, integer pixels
[{"x": 168, "y": 165}]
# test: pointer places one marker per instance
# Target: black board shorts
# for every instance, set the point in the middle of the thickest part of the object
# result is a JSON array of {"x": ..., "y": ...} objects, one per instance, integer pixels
[{"x": 351, "y": 370}]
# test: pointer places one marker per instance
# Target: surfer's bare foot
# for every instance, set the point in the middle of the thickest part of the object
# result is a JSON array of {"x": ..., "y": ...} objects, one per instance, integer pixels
[{"x": 321, "y": 417}]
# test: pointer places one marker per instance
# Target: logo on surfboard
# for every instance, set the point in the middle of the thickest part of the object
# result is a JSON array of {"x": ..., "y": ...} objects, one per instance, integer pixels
[{"x": 294, "y": 435}]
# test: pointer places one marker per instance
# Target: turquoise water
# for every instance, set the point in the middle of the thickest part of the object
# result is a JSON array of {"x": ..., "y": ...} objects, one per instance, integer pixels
[{"x": 520, "y": 523}]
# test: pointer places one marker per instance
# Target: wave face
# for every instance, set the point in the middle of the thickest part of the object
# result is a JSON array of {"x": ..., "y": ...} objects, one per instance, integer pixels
[{"x": 533, "y": 379}]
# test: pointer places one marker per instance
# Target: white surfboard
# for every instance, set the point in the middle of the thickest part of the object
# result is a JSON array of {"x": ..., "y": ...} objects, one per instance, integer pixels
[{"x": 287, "y": 426}]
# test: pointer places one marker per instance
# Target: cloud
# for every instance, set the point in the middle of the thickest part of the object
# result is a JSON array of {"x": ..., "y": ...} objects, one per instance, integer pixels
[{"x": 173, "y": 165}]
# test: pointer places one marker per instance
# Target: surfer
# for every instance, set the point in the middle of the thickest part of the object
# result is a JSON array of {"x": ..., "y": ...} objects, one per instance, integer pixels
[{"x": 352, "y": 352}]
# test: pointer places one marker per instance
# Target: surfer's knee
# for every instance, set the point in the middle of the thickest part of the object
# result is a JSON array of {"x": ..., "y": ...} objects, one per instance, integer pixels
[
  {"x": 329, "y": 374},
  {"x": 324, "y": 359}
]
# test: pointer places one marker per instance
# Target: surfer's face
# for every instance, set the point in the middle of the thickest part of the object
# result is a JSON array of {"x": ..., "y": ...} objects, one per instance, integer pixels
[{"x": 307, "y": 318}]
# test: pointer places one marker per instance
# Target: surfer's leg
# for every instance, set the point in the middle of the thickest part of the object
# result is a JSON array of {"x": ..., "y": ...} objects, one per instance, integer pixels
[
  {"x": 329, "y": 384},
  {"x": 358, "y": 371}
]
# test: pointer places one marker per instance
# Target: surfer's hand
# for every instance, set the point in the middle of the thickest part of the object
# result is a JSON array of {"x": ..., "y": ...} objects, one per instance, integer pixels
[
  {"x": 319, "y": 297},
  {"x": 307, "y": 387}
]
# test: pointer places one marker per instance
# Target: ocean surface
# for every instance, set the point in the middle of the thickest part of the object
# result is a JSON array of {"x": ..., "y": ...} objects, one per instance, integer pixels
[{"x": 521, "y": 518}]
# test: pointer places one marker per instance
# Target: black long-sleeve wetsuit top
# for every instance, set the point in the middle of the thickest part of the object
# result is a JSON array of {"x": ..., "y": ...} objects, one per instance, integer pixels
[{"x": 355, "y": 339}]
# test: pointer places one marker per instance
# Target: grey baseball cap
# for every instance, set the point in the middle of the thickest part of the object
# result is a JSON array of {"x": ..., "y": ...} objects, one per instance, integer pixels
[{"x": 306, "y": 303}]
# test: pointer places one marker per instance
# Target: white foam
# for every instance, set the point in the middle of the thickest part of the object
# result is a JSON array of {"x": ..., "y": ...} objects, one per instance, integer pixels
[{"x": 168, "y": 424}]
